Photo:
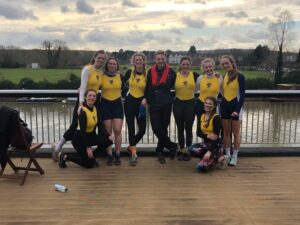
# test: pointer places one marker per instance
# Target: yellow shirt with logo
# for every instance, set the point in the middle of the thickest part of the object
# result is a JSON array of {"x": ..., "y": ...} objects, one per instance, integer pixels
[
  {"x": 185, "y": 86},
  {"x": 210, "y": 128},
  {"x": 209, "y": 87},
  {"x": 95, "y": 79},
  {"x": 137, "y": 85},
  {"x": 111, "y": 87},
  {"x": 230, "y": 90},
  {"x": 91, "y": 117}
]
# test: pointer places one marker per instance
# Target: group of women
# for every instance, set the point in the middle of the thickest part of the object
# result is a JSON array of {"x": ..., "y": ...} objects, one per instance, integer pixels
[{"x": 153, "y": 88}]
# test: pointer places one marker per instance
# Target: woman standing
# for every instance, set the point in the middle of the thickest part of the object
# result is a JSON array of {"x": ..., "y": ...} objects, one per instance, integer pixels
[
  {"x": 184, "y": 106},
  {"x": 86, "y": 137},
  {"x": 111, "y": 106},
  {"x": 231, "y": 106},
  {"x": 91, "y": 78},
  {"x": 210, "y": 151},
  {"x": 208, "y": 84},
  {"x": 135, "y": 103}
]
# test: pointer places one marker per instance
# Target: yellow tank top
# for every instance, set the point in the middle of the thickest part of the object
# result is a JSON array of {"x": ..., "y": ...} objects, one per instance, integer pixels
[
  {"x": 185, "y": 86},
  {"x": 230, "y": 90},
  {"x": 95, "y": 79},
  {"x": 91, "y": 117},
  {"x": 210, "y": 128},
  {"x": 209, "y": 87},
  {"x": 137, "y": 85},
  {"x": 111, "y": 87}
]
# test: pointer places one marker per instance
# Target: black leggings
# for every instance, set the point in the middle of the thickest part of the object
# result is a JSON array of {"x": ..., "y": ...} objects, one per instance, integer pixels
[
  {"x": 131, "y": 108},
  {"x": 93, "y": 139},
  {"x": 160, "y": 121},
  {"x": 68, "y": 135},
  {"x": 184, "y": 113}
]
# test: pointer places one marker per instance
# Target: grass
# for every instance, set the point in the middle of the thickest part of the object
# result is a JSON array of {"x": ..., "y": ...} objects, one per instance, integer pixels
[{"x": 53, "y": 75}]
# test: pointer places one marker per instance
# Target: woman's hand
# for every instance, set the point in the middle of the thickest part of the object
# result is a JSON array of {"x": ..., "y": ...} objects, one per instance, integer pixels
[
  {"x": 111, "y": 138},
  {"x": 207, "y": 155},
  {"x": 212, "y": 136},
  {"x": 144, "y": 102},
  {"x": 234, "y": 114},
  {"x": 79, "y": 109},
  {"x": 89, "y": 152}
]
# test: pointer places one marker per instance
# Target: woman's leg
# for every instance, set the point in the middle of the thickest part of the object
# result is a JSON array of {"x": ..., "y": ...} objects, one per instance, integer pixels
[
  {"x": 108, "y": 127},
  {"x": 226, "y": 125},
  {"x": 236, "y": 125}
]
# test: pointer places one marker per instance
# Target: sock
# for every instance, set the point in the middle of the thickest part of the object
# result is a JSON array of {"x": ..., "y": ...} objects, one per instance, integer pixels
[
  {"x": 235, "y": 153},
  {"x": 228, "y": 153},
  {"x": 60, "y": 144}
]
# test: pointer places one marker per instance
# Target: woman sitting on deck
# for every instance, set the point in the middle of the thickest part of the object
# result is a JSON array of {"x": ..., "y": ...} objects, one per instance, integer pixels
[
  {"x": 210, "y": 151},
  {"x": 85, "y": 137}
]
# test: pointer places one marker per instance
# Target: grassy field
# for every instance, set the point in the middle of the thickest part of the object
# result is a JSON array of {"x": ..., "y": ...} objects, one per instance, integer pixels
[{"x": 53, "y": 75}]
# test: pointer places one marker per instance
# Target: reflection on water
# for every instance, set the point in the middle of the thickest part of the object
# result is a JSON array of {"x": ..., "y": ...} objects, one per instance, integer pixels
[{"x": 263, "y": 122}]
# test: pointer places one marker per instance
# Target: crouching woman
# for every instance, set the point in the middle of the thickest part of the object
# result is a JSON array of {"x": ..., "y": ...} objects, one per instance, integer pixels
[
  {"x": 210, "y": 151},
  {"x": 85, "y": 136}
]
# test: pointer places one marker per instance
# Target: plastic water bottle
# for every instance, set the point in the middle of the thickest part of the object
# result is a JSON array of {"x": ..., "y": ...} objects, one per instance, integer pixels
[
  {"x": 142, "y": 111},
  {"x": 60, "y": 188}
]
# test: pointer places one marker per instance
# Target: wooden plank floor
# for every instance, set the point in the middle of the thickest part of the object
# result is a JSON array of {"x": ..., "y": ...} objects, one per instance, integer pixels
[{"x": 260, "y": 191}]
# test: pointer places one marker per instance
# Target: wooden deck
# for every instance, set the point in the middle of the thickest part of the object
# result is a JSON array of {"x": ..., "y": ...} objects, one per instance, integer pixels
[{"x": 260, "y": 191}]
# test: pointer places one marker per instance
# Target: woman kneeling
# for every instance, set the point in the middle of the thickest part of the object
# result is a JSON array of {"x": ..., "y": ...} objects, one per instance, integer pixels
[
  {"x": 210, "y": 151},
  {"x": 85, "y": 137}
]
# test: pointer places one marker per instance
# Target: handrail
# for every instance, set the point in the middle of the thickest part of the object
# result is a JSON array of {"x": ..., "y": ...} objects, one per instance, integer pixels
[{"x": 74, "y": 93}]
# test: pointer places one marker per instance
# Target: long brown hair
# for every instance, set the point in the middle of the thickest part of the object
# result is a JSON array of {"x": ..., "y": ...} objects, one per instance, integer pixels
[
  {"x": 235, "y": 72},
  {"x": 145, "y": 62},
  {"x": 213, "y": 112},
  {"x": 106, "y": 63},
  {"x": 96, "y": 54},
  {"x": 185, "y": 58}
]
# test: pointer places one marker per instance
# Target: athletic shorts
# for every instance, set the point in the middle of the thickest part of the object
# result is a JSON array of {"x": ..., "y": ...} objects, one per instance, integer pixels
[
  {"x": 111, "y": 109},
  {"x": 227, "y": 108}
]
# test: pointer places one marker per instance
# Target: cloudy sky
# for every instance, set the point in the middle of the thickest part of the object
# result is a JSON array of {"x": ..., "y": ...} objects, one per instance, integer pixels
[{"x": 143, "y": 24}]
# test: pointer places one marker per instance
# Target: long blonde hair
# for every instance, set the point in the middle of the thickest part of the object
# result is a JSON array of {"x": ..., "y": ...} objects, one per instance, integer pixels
[{"x": 145, "y": 62}]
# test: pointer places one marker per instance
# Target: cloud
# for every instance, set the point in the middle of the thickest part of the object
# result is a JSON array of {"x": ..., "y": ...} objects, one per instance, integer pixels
[
  {"x": 64, "y": 9},
  {"x": 15, "y": 12},
  {"x": 260, "y": 20},
  {"x": 50, "y": 29},
  {"x": 176, "y": 31},
  {"x": 129, "y": 3},
  {"x": 193, "y": 23},
  {"x": 238, "y": 15},
  {"x": 83, "y": 7},
  {"x": 257, "y": 34}
]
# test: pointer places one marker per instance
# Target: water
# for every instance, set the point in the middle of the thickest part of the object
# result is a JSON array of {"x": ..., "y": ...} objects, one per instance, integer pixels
[{"x": 264, "y": 122}]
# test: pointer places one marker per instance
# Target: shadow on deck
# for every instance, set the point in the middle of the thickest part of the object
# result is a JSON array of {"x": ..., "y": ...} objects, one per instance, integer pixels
[{"x": 261, "y": 191}]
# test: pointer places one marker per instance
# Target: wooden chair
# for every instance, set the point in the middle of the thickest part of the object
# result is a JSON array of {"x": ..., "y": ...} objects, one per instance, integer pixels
[{"x": 27, "y": 152}]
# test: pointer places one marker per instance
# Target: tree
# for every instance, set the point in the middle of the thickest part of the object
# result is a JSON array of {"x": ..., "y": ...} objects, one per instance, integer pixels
[
  {"x": 53, "y": 51},
  {"x": 192, "y": 51},
  {"x": 298, "y": 57},
  {"x": 259, "y": 55},
  {"x": 282, "y": 35}
]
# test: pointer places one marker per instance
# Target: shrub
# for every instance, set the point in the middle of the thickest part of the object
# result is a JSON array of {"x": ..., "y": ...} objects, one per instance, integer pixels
[
  {"x": 27, "y": 83},
  {"x": 6, "y": 84},
  {"x": 292, "y": 77},
  {"x": 259, "y": 84}
]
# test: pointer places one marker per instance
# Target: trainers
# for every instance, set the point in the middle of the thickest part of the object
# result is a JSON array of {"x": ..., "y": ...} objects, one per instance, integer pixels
[
  {"x": 186, "y": 156},
  {"x": 161, "y": 157},
  {"x": 118, "y": 160},
  {"x": 54, "y": 153},
  {"x": 133, "y": 160},
  {"x": 180, "y": 153},
  {"x": 62, "y": 160},
  {"x": 173, "y": 151},
  {"x": 233, "y": 161},
  {"x": 222, "y": 164},
  {"x": 96, "y": 164},
  {"x": 110, "y": 160}
]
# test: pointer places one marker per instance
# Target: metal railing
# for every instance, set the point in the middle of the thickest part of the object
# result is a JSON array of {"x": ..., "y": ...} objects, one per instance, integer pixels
[{"x": 267, "y": 119}]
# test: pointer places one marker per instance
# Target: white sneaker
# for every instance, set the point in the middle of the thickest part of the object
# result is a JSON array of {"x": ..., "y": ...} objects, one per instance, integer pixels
[
  {"x": 233, "y": 161},
  {"x": 54, "y": 153},
  {"x": 223, "y": 164}
]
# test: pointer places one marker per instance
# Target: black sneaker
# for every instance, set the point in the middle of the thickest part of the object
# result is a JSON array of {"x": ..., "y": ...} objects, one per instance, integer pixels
[
  {"x": 110, "y": 160},
  {"x": 62, "y": 161},
  {"x": 173, "y": 151},
  {"x": 96, "y": 164},
  {"x": 186, "y": 157},
  {"x": 117, "y": 160},
  {"x": 161, "y": 157}
]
